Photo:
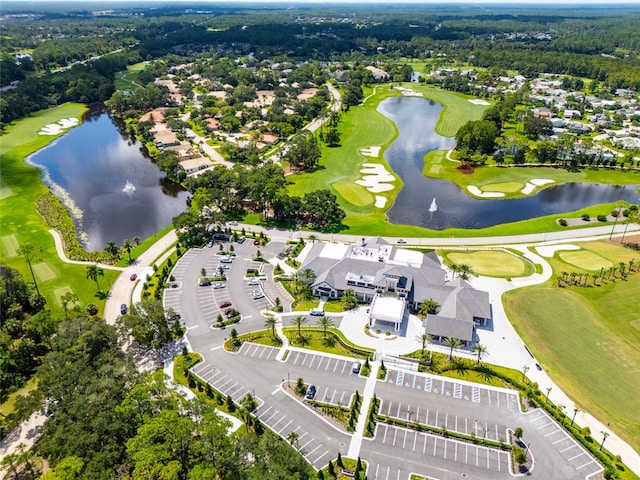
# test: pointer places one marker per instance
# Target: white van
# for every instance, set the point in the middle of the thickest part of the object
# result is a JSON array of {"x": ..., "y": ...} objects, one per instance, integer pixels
[{"x": 316, "y": 312}]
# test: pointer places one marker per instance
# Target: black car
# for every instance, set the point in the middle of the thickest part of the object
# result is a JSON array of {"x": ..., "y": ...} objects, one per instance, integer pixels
[
  {"x": 311, "y": 392},
  {"x": 205, "y": 283},
  {"x": 123, "y": 309}
]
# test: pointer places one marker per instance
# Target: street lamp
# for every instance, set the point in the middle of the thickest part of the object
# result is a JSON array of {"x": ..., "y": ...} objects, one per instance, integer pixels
[
  {"x": 288, "y": 380},
  {"x": 527, "y": 449}
]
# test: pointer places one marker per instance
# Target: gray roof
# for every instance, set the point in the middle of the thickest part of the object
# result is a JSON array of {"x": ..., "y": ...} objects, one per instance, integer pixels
[{"x": 437, "y": 325}]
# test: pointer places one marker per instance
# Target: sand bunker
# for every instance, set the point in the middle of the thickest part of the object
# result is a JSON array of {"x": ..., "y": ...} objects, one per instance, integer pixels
[
  {"x": 370, "y": 152},
  {"x": 533, "y": 183},
  {"x": 549, "y": 250},
  {"x": 475, "y": 191},
  {"x": 407, "y": 92},
  {"x": 478, "y": 101},
  {"x": 381, "y": 201},
  {"x": 375, "y": 176},
  {"x": 58, "y": 128}
]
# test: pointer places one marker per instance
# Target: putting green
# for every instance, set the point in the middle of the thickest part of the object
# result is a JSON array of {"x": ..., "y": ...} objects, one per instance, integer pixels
[
  {"x": 10, "y": 245},
  {"x": 492, "y": 263},
  {"x": 585, "y": 260},
  {"x": 5, "y": 190},
  {"x": 435, "y": 169},
  {"x": 43, "y": 271},
  {"x": 59, "y": 292},
  {"x": 354, "y": 193},
  {"x": 506, "y": 187}
]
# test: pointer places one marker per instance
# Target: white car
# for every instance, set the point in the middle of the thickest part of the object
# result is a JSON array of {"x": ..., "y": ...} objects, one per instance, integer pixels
[
  {"x": 218, "y": 285},
  {"x": 256, "y": 294},
  {"x": 253, "y": 281}
]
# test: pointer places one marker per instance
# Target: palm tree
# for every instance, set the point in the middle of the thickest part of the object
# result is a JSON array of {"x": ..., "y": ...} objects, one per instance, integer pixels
[
  {"x": 618, "y": 210},
  {"x": 525, "y": 369},
  {"x": 270, "y": 322},
  {"x": 299, "y": 321},
  {"x": 292, "y": 438},
  {"x": 93, "y": 272},
  {"x": 480, "y": 350},
  {"x": 313, "y": 238},
  {"x": 465, "y": 271},
  {"x": 112, "y": 249},
  {"x": 428, "y": 305},
  {"x": 349, "y": 299},
  {"x": 452, "y": 343},
  {"x": 424, "y": 338},
  {"x": 65, "y": 300},
  {"x": 604, "y": 437},
  {"x": 136, "y": 240},
  {"x": 454, "y": 268},
  {"x": 127, "y": 245},
  {"x": 325, "y": 322},
  {"x": 29, "y": 255}
]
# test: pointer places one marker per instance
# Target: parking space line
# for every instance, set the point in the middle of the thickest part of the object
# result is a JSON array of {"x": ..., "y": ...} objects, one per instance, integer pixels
[
  {"x": 568, "y": 448},
  {"x": 576, "y": 456},
  {"x": 395, "y": 434},
  {"x": 344, "y": 364},
  {"x": 415, "y": 439},
  {"x": 290, "y": 421},
  {"x": 312, "y": 359},
  {"x": 424, "y": 447},
  {"x": 555, "y": 431},
  {"x": 455, "y": 451},
  {"x": 559, "y": 440},
  {"x": 318, "y": 459},
  {"x": 545, "y": 425},
  {"x": 445, "y": 449},
  {"x": 309, "y": 454},
  {"x": 428, "y": 384},
  {"x": 384, "y": 438},
  {"x": 477, "y": 456},
  {"x": 435, "y": 444},
  {"x": 585, "y": 464},
  {"x": 404, "y": 441},
  {"x": 281, "y": 418},
  {"x": 466, "y": 454},
  {"x": 265, "y": 412}
]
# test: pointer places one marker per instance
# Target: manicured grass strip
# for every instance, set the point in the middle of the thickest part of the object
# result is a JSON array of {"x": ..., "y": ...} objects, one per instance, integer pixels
[
  {"x": 585, "y": 260},
  {"x": 336, "y": 343},
  {"x": 354, "y": 193},
  {"x": 10, "y": 245},
  {"x": 586, "y": 338},
  {"x": 505, "y": 187},
  {"x": 456, "y": 108},
  {"x": 492, "y": 263}
]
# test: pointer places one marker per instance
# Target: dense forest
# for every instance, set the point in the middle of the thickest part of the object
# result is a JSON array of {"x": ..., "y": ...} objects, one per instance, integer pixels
[{"x": 595, "y": 43}]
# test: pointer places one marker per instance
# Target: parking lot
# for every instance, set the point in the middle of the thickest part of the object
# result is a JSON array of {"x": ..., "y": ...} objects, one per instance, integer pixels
[
  {"x": 421, "y": 413},
  {"x": 321, "y": 362},
  {"x": 222, "y": 382},
  {"x": 396, "y": 452},
  {"x": 316, "y": 448},
  {"x": 496, "y": 397},
  {"x": 572, "y": 453},
  {"x": 262, "y": 352}
]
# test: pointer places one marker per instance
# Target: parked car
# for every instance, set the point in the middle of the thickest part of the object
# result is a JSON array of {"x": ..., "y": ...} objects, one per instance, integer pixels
[
  {"x": 316, "y": 312},
  {"x": 356, "y": 367},
  {"x": 225, "y": 304},
  {"x": 401, "y": 240},
  {"x": 226, "y": 259},
  {"x": 231, "y": 312},
  {"x": 538, "y": 366},
  {"x": 256, "y": 242},
  {"x": 210, "y": 244},
  {"x": 133, "y": 277},
  {"x": 256, "y": 294},
  {"x": 311, "y": 392},
  {"x": 219, "y": 285},
  {"x": 233, "y": 223},
  {"x": 253, "y": 281},
  {"x": 123, "y": 309},
  {"x": 241, "y": 240},
  {"x": 204, "y": 283}
]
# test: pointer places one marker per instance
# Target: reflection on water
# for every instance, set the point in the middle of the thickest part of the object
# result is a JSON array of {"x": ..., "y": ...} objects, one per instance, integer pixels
[
  {"x": 415, "y": 119},
  {"x": 118, "y": 192}
]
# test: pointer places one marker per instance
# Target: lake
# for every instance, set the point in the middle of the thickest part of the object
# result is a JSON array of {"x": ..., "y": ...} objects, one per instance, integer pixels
[
  {"x": 110, "y": 186},
  {"x": 416, "y": 119}
]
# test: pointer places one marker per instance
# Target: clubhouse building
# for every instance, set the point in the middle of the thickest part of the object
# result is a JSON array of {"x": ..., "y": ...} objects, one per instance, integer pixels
[{"x": 394, "y": 281}]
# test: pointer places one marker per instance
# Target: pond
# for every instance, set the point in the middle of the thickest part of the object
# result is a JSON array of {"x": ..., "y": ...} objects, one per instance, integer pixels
[
  {"x": 110, "y": 186},
  {"x": 416, "y": 119}
]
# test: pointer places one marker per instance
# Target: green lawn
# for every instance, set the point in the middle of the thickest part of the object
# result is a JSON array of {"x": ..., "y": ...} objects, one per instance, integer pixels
[
  {"x": 126, "y": 80},
  {"x": 511, "y": 180},
  {"x": 587, "y": 337},
  {"x": 21, "y": 223},
  {"x": 492, "y": 263}
]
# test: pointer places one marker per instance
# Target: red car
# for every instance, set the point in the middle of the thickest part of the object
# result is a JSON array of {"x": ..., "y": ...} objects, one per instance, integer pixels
[
  {"x": 133, "y": 277},
  {"x": 225, "y": 304},
  {"x": 256, "y": 243}
]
